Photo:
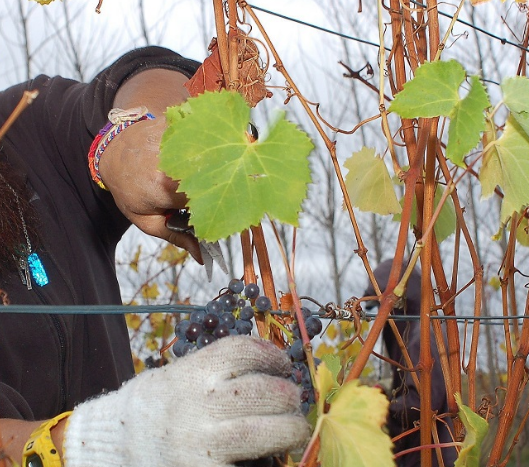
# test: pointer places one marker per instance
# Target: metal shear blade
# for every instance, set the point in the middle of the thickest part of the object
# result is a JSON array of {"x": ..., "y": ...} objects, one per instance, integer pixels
[{"x": 211, "y": 252}]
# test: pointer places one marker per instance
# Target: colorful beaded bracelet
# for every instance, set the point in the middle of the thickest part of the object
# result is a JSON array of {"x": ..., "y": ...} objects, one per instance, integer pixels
[{"x": 118, "y": 120}]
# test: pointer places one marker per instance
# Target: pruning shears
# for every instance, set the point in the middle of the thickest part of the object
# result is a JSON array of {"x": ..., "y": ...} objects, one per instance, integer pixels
[{"x": 178, "y": 221}]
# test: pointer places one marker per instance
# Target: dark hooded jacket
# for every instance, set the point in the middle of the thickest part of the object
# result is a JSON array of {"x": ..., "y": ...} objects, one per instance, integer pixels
[
  {"x": 49, "y": 363},
  {"x": 405, "y": 402}
]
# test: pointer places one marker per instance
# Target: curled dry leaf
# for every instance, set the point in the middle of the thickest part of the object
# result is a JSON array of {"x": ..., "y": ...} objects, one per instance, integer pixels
[{"x": 209, "y": 76}]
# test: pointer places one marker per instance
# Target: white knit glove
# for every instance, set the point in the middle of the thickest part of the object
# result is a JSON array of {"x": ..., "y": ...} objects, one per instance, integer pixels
[{"x": 227, "y": 402}]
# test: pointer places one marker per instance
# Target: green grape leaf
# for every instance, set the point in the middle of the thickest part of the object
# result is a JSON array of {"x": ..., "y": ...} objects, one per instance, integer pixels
[
  {"x": 476, "y": 429},
  {"x": 351, "y": 433},
  {"x": 230, "y": 182},
  {"x": 369, "y": 183},
  {"x": 509, "y": 169},
  {"x": 432, "y": 92},
  {"x": 446, "y": 222},
  {"x": 467, "y": 122}
]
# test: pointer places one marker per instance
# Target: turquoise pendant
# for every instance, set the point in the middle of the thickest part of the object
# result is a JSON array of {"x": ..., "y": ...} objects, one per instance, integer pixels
[{"x": 36, "y": 268}]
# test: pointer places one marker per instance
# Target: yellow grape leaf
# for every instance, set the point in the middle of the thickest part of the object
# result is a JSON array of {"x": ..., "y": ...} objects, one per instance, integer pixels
[
  {"x": 172, "y": 255},
  {"x": 476, "y": 429},
  {"x": 173, "y": 288},
  {"x": 351, "y": 351},
  {"x": 152, "y": 344},
  {"x": 156, "y": 320},
  {"x": 491, "y": 165},
  {"x": 495, "y": 282},
  {"x": 369, "y": 183},
  {"x": 139, "y": 366},
  {"x": 150, "y": 291},
  {"x": 332, "y": 331},
  {"x": 134, "y": 263},
  {"x": 513, "y": 169},
  {"x": 133, "y": 321},
  {"x": 522, "y": 232},
  {"x": 351, "y": 433},
  {"x": 326, "y": 384},
  {"x": 324, "y": 349}
]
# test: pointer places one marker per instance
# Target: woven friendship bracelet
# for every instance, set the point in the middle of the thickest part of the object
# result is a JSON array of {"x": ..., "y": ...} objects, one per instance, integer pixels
[{"x": 119, "y": 119}]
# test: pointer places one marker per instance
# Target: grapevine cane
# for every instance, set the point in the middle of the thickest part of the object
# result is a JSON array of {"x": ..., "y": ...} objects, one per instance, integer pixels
[
  {"x": 267, "y": 280},
  {"x": 425, "y": 356},
  {"x": 233, "y": 55},
  {"x": 221, "y": 38}
]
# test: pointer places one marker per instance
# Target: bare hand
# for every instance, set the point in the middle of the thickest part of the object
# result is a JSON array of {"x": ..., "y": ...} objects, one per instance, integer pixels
[{"x": 129, "y": 165}]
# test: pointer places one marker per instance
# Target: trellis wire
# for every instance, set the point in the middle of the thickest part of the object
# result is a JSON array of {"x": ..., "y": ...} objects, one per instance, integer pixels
[
  {"x": 503, "y": 40},
  {"x": 186, "y": 309},
  {"x": 314, "y": 26}
]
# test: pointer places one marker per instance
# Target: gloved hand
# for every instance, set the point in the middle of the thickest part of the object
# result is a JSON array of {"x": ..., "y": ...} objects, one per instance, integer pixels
[{"x": 227, "y": 402}]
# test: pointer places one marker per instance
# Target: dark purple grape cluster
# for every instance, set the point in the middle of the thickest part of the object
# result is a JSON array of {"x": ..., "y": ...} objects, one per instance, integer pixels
[
  {"x": 300, "y": 370},
  {"x": 230, "y": 314},
  {"x": 301, "y": 376}
]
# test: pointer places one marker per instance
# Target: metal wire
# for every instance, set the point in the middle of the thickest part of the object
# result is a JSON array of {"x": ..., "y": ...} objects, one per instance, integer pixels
[
  {"x": 146, "y": 309},
  {"x": 99, "y": 309},
  {"x": 488, "y": 320},
  {"x": 314, "y": 26}
]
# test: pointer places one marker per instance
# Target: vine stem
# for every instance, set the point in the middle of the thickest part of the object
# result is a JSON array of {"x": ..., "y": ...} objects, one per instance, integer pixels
[
  {"x": 222, "y": 40},
  {"x": 233, "y": 55},
  {"x": 442, "y": 45}
]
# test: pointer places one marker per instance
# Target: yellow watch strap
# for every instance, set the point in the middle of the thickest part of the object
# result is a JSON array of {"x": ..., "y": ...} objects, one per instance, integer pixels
[{"x": 40, "y": 445}]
